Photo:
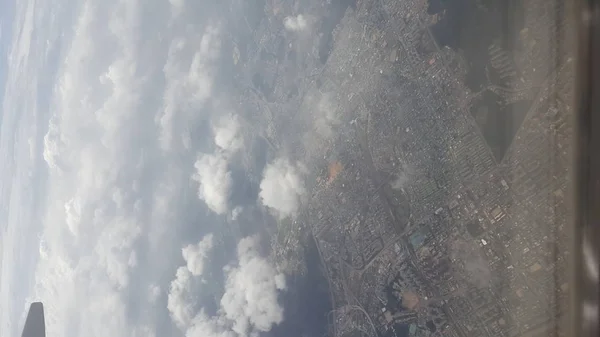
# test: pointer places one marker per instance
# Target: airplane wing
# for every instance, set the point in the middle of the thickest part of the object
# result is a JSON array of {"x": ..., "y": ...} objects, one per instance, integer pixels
[{"x": 35, "y": 325}]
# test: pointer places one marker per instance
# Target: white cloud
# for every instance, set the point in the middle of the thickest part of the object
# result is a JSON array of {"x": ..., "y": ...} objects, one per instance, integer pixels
[
  {"x": 227, "y": 133},
  {"x": 177, "y": 7},
  {"x": 212, "y": 170},
  {"x": 235, "y": 213},
  {"x": 111, "y": 185},
  {"x": 295, "y": 23},
  {"x": 212, "y": 173},
  {"x": 181, "y": 301},
  {"x": 204, "y": 326},
  {"x": 249, "y": 304},
  {"x": 93, "y": 217},
  {"x": 251, "y": 290},
  {"x": 189, "y": 83},
  {"x": 282, "y": 187},
  {"x": 196, "y": 255},
  {"x": 326, "y": 115},
  {"x": 113, "y": 188},
  {"x": 53, "y": 145}
]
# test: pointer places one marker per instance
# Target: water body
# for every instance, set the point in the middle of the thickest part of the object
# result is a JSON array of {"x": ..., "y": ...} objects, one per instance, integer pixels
[
  {"x": 245, "y": 188},
  {"x": 499, "y": 122},
  {"x": 392, "y": 302},
  {"x": 307, "y": 301},
  {"x": 472, "y": 27},
  {"x": 399, "y": 330}
]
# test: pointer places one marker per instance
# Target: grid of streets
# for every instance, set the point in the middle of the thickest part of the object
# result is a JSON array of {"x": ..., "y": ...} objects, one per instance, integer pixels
[{"x": 424, "y": 226}]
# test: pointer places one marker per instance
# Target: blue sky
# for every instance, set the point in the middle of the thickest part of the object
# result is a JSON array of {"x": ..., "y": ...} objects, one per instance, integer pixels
[{"x": 99, "y": 164}]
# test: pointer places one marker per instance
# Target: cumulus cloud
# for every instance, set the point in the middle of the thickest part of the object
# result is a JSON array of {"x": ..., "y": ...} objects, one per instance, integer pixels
[
  {"x": 112, "y": 182},
  {"x": 226, "y": 131},
  {"x": 204, "y": 326},
  {"x": 250, "y": 299},
  {"x": 112, "y": 198},
  {"x": 248, "y": 306},
  {"x": 295, "y": 23},
  {"x": 212, "y": 173},
  {"x": 196, "y": 255},
  {"x": 181, "y": 301},
  {"x": 189, "y": 83},
  {"x": 282, "y": 187},
  {"x": 93, "y": 214},
  {"x": 212, "y": 169}
]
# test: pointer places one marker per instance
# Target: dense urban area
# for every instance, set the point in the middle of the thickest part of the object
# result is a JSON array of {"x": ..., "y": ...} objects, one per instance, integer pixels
[{"x": 436, "y": 136}]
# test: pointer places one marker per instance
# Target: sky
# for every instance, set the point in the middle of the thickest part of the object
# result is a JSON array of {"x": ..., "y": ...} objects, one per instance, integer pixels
[{"x": 118, "y": 134}]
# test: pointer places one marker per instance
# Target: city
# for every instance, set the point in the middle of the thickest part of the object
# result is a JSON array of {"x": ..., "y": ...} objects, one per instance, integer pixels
[{"x": 429, "y": 221}]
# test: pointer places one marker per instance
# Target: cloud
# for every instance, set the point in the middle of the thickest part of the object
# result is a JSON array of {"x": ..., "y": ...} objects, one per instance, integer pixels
[
  {"x": 400, "y": 181},
  {"x": 113, "y": 188},
  {"x": 226, "y": 131},
  {"x": 189, "y": 83},
  {"x": 120, "y": 104},
  {"x": 212, "y": 170},
  {"x": 248, "y": 306},
  {"x": 235, "y": 213},
  {"x": 295, "y": 23},
  {"x": 326, "y": 115},
  {"x": 177, "y": 7},
  {"x": 204, "y": 326},
  {"x": 251, "y": 290},
  {"x": 282, "y": 187},
  {"x": 93, "y": 215},
  {"x": 196, "y": 255},
  {"x": 143, "y": 331},
  {"x": 215, "y": 181},
  {"x": 181, "y": 301}
]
